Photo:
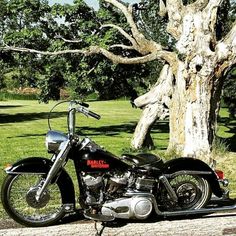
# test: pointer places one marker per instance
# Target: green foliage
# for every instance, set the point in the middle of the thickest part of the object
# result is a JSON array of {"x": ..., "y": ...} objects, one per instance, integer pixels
[
  {"x": 224, "y": 19},
  {"x": 4, "y": 96},
  {"x": 219, "y": 147},
  {"x": 36, "y": 24},
  {"x": 151, "y": 24},
  {"x": 229, "y": 92},
  {"x": 29, "y": 23},
  {"x": 96, "y": 74}
]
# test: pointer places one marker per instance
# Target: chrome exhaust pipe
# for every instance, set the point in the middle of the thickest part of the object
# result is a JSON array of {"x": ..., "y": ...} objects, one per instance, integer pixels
[
  {"x": 209, "y": 210},
  {"x": 198, "y": 211}
]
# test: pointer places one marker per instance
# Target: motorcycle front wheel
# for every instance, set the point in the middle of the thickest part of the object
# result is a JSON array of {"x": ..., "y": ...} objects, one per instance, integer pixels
[
  {"x": 193, "y": 192},
  {"x": 18, "y": 199}
]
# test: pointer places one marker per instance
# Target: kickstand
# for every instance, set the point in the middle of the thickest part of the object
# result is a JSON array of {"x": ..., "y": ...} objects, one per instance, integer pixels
[{"x": 99, "y": 232}]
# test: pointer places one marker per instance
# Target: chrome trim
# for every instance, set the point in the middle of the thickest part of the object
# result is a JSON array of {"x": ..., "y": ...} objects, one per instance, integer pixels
[
  {"x": 58, "y": 163},
  {"x": 144, "y": 194},
  {"x": 69, "y": 207},
  {"x": 224, "y": 182},
  {"x": 84, "y": 143},
  {"x": 23, "y": 172},
  {"x": 199, "y": 211},
  {"x": 187, "y": 172},
  {"x": 54, "y": 139},
  {"x": 71, "y": 118}
]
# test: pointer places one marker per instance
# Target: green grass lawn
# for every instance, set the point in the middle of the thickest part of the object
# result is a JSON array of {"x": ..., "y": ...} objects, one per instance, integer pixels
[{"x": 24, "y": 125}]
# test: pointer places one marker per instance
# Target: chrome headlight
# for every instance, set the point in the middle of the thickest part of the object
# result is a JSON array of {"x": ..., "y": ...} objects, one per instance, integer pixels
[{"x": 53, "y": 140}]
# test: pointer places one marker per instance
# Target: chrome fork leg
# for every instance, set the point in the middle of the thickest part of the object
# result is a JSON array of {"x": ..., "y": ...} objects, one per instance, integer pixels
[{"x": 58, "y": 163}]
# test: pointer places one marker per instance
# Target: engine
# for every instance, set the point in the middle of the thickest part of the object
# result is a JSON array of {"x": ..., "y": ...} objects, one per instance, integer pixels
[
  {"x": 100, "y": 188},
  {"x": 109, "y": 193},
  {"x": 129, "y": 208},
  {"x": 94, "y": 189}
]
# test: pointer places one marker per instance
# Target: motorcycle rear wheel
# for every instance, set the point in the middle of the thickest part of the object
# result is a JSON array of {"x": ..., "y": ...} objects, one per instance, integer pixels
[
  {"x": 193, "y": 192},
  {"x": 18, "y": 199}
]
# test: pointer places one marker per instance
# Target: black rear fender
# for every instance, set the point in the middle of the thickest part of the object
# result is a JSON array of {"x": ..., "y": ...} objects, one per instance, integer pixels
[
  {"x": 190, "y": 164},
  {"x": 40, "y": 165}
]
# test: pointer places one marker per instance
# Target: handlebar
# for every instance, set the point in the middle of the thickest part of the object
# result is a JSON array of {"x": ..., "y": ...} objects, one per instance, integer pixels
[
  {"x": 82, "y": 104},
  {"x": 73, "y": 107},
  {"x": 88, "y": 112}
]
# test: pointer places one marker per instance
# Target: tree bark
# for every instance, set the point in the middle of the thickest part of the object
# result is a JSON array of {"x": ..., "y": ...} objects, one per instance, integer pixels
[
  {"x": 193, "y": 116},
  {"x": 155, "y": 105},
  {"x": 197, "y": 82}
]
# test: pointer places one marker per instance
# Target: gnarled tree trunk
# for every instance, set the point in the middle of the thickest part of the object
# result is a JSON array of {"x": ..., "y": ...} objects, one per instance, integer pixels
[{"x": 197, "y": 81}]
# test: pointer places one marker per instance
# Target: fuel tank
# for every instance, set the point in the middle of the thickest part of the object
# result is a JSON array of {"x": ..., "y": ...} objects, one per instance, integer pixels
[{"x": 99, "y": 160}]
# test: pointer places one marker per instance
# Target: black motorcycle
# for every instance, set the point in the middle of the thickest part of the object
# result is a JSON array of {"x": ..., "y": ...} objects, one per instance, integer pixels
[{"x": 39, "y": 192}]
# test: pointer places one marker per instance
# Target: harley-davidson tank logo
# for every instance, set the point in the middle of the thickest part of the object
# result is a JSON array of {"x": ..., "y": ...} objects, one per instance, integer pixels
[{"x": 99, "y": 164}]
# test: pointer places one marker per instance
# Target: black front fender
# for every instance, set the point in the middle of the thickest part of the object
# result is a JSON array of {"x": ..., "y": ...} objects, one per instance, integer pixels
[
  {"x": 41, "y": 165},
  {"x": 191, "y": 164}
]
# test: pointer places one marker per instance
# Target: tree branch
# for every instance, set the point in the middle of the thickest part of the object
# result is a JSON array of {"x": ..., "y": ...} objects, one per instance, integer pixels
[
  {"x": 140, "y": 43},
  {"x": 56, "y": 53},
  {"x": 161, "y": 91},
  {"x": 89, "y": 51},
  {"x": 211, "y": 13},
  {"x": 122, "y": 31},
  {"x": 162, "y": 9},
  {"x": 230, "y": 38},
  {"x": 198, "y": 5},
  {"x": 149, "y": 49},
  {"x": 126, "y": 60},
  {"x": 68, "y": 40},
  {"x": 29, "y": 50},
  {"x": 122, "y": 46},
  {"x": 174, "y": 10},
  {"x": 226, "y": 48},
  {"x": 128, "y": 15}
]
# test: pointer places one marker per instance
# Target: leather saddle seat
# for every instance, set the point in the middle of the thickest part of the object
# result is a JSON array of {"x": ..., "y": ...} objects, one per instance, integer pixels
[{"x": 144, "y": 160}]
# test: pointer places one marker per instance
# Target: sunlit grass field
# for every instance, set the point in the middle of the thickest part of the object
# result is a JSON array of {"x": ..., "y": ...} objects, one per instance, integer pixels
[{"x": 23, "y": 125}]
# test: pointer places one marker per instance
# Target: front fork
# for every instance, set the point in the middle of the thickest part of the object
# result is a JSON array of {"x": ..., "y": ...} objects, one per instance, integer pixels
[{"x": 57, "y": 164}]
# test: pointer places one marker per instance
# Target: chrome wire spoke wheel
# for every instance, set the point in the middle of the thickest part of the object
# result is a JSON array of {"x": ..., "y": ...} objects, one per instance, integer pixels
[
  {"x": 20, "y": 202},
  {"x": 193, "y": 192}
]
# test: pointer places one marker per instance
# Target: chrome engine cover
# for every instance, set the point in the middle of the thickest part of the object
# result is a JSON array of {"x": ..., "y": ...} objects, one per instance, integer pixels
[{"x": 129, "y": 208}]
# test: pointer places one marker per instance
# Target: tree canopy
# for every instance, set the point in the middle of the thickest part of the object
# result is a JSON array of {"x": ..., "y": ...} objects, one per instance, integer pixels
[{"x": 35, "y": 24}]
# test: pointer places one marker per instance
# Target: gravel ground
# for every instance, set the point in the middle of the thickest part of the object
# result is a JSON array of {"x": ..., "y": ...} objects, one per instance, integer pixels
[{"x": 218, "y": 224}]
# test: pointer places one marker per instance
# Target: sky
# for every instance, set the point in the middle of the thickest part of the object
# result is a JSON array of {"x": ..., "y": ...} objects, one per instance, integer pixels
[{"x": 93, "y": 3}]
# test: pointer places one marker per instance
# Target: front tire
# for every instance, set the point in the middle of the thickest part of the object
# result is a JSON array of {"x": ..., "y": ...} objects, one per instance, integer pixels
[{"x": 18, "y": 199}]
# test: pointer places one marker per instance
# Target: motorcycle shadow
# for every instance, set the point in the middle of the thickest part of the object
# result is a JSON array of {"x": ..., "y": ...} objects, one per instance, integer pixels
[{"x": 118, "y": 223}]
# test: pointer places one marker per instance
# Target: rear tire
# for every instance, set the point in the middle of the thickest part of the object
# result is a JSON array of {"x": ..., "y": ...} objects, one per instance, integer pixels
[
  {"x": 18, "y": 199},
  {"x": 193, "y": 192}
]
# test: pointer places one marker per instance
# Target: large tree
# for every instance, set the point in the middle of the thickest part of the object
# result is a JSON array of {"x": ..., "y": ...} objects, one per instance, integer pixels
[{"x": 189, "y": 87}]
